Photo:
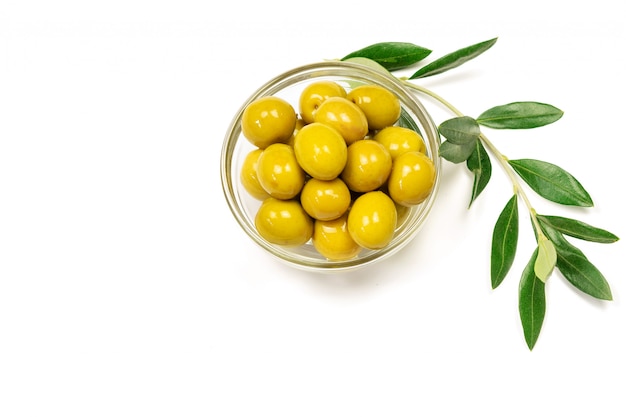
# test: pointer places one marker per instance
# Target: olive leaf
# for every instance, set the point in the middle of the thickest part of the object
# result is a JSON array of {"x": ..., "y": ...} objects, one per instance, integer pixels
[
  {"x": 574, "y": 265},
  {"x": 462, "y": 134},
  {"x": 504, "y": 242},
  {"x": 479, "y": 164},
  {"x": 520, "y": 115},
  {"x": 582, "y": 274},
  {"x": 531, "y": 302},
  {"x": 455, "y": 153},
  {"x": 453, "y": 60},
  {"x": 460, "y": 130},
  {"x": 546, "y": 258},
  {"x": 561, "y": 244},
  {"x": 552, "y": 182},
  {"x": 392, "y": 55},
  {"x": 578, "y": 229}
]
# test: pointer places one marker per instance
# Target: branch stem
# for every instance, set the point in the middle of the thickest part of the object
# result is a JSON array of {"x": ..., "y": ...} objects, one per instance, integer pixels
[{"x": 502, "y": 160}]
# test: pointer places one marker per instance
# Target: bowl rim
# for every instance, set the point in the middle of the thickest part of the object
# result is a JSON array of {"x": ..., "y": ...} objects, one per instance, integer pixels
[{"x": 354, "y": 71}]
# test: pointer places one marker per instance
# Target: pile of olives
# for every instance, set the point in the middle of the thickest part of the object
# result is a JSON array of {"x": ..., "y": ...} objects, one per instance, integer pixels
[{"x": 338, "y": 172}]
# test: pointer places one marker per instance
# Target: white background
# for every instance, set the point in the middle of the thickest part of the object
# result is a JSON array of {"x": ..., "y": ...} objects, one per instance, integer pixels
[{"x": 127, "y": 288}]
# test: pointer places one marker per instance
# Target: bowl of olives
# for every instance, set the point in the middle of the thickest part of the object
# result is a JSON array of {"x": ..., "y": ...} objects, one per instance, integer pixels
[{"x": 331, "y": 166}]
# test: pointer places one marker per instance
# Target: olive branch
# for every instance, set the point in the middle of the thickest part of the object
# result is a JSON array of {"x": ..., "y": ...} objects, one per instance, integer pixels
[{"x": 465, "y": 142}]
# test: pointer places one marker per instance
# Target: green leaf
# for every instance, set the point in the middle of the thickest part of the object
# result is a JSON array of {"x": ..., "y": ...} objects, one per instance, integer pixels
[
  {"x": 552, "y": 182},
  {"x": 392, "y": 55},
  {"x": 532, "y": 302},
  {"x": 574, "y": 265},
  {"x": 455, "y": 153},
  {"x": 460, "y": 130},
  {"x": 582, "y": 274},
  {"x": 504, "y": 242},
  {"x": 546, "y": 258},
  {"x": 480, "y": 165},
  {"x": 453, "y": 60},
  {"x": 578, "y": 229},
  {"x": 520, "y": 115},
  {"x": 562, "y": 245}
]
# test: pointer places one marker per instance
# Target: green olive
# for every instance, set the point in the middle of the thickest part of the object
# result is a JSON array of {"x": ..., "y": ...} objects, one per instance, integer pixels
[
  {"x": 333, "y": 241},
  {"x": 279, "y": 173},
  {"x": 325, "y": 200},
  {"x": 268, "y": 120},
  {"x": 283, "y": 222},
  {"x": 399, "y": 140},
  {"x": 345, "y": 116},
  {"x": 367, "y": 167},
  {"x": 321, "y": 151},
  {"x": 314, "y": 94},
  {"x": 380, "y": 105},
  {"x": 248, "y": 175},
  {"x": 372, "y": 220},
  {"x": 412, "y": 178}
]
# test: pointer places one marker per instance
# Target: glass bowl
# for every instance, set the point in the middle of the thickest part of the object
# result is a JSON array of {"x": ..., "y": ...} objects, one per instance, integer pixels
[{"x": 289, "y": 86}]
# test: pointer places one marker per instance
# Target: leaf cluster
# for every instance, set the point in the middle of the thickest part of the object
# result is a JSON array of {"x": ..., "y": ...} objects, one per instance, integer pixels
[{"x": 466, "y": 143}]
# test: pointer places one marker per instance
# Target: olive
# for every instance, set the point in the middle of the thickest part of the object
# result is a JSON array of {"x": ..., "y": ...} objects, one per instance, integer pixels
[
  {"x": 283, "y": 222},
  {"x": 321, "y": 151},
  {"x": 367, "y": 167},
  {"x": 268, "y": 120},
  {"x": 399, "y": 140},
  {"x": 380, "y": 105},
  {"x": 333, "y": 241},
  {"x": 372, "y": 220},
  {"x": 412, "y": 178},
  {"x": 345, "y": 116},
  {"x": 314, "y": 94},
  {"x": 248, "y": 175},
  {"x": 325, "y": 200},
  {"x": 279, "y": 173}
]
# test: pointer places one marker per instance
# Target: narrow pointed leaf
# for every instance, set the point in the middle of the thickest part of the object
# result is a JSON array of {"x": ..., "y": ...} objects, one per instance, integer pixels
[
  {"x": 392, "y": 55},
  {"x": 582, "y": 274},
  {"x": 520, "y": 115},
  {"x": 504, "y": 242},
  {"x": 455, "y": 153},
  {"x": 460, "y": 130},
  {"x": 578, "y": 229},
  {"x": 480, "y": 165},
  {"x": 546, "y": 258},
  {"x": 453, "y": 60},
  {"x": 552, "y": 182},
  {"x": 561, "y": 244},
  {"x": 532, "y": 303}
]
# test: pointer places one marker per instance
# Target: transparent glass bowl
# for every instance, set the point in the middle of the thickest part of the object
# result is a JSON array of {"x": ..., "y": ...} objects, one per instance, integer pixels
[{"x": 289, "y": 86}]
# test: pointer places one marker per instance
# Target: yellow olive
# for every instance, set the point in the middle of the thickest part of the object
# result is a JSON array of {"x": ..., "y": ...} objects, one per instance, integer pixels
[
  {"x": 412, "y": 178},
  {"x": 249, "y": 178},
  {"x": 279, "y": 173},
  {"x": 367, "y": 167},
  {"x": 299, "y": 125},
  {"x": 321, "y": 151},
  {"x": 333, "y": 241},
  {"x": 380, "y": 105},
  {"x": 283, "y": 222},
  {"x": 372, "y": 220},
  {"x": 345, "y": 116},
  {"x": 268, "y": 120},
  {"x": 314, "y": 94},
  {"x": 325, "y": 200},
  {"x": 399, "y": 140}
]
